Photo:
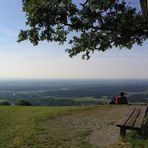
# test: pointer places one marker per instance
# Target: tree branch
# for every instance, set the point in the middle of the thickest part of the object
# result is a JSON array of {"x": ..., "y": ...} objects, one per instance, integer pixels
[{"x": 83, "y": 5}]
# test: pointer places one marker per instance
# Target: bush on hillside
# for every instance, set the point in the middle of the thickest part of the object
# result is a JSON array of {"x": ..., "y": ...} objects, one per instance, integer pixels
[
  {"x": 4, "y": 103},
  {"x": 23, "y": 103}
]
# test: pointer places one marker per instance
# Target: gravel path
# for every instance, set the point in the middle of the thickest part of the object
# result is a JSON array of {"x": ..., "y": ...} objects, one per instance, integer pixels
[{"x": 96, "y": 127}]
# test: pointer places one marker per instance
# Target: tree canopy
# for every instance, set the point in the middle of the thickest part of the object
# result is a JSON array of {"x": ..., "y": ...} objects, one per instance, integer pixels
[{"x": 94, "y": 25}]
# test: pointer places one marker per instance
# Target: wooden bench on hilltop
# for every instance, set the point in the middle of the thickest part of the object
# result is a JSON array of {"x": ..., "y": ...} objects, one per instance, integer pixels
[{"x": 134, "y": 119}]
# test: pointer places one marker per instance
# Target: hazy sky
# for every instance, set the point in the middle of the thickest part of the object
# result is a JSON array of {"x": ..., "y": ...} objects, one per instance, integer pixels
[{"x": 50, "y": 60}]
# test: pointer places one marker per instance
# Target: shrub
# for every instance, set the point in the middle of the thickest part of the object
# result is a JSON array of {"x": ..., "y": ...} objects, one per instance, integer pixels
[
  {"x": 4, "y": 103},
  {"x": 23, "y": 103}
]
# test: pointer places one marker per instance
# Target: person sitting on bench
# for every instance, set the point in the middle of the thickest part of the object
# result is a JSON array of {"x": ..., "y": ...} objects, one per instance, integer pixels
[{"x": 122, "y": 99}]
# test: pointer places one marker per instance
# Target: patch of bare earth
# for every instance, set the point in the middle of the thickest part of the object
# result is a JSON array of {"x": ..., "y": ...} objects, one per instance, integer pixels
[{"x": 87, "y": 128}]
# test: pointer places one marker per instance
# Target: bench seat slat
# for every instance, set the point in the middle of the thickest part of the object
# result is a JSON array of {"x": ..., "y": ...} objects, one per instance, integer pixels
[
  {"x": 133, "y": 118},
  {"x": 139, "y": 121},
  {"x": 126, "y": 117}
]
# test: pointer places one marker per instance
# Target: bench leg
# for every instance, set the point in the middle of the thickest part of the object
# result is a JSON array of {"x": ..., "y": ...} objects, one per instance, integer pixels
[{"x": 122, "y": 131}]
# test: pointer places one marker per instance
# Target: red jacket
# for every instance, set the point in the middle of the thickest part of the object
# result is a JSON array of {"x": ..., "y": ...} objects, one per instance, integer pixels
[{"x": 118, "y": 100}]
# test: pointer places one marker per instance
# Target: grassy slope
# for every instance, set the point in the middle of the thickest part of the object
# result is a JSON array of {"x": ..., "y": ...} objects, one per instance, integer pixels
[{"x": 20, "y": 125}]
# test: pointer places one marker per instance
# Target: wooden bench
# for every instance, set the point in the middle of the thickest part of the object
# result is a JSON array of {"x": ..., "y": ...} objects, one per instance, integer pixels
[{"x": 133, "y": 120}]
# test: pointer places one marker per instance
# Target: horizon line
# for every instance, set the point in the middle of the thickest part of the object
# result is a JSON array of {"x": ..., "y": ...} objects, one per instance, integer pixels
[{"x": 73, "y": 78}]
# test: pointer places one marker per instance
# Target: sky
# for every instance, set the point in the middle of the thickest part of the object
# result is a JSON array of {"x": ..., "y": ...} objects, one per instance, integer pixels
[{"x": 49, "y": 60}]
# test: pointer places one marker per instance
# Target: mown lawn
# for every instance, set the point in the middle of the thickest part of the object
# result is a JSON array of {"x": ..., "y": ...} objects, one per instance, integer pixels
[{"x": 19, "y": 126}]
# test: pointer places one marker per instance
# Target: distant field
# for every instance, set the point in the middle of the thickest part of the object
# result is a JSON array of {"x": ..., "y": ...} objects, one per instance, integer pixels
[
  {"x": 72, "y": 92},
  {"x": 20, "y": 125}
]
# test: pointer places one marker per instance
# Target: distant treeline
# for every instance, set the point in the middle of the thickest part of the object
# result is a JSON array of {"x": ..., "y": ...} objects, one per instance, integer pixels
[
  {"x": 51, "y": 102},
  {"x": 61, "y": 92},
  {"x": 85, "y": 91}
]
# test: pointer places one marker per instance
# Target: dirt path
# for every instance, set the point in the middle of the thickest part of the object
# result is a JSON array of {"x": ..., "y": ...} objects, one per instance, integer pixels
[{"x": 92, "y": 128}]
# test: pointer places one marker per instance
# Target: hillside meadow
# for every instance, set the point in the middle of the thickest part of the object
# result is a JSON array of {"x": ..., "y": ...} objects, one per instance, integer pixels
[
  {"x": 63, "y": 127},
  {"x": 19, "y": 126}
]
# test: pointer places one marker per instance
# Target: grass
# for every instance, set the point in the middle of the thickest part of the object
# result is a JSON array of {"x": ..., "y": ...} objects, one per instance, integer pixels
[
  {"x": 132, "y": 140},
  {"x": 20, "y": 126},
  {"x": 135, "y": 140},
  {"x": 29, "y": 127}
]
